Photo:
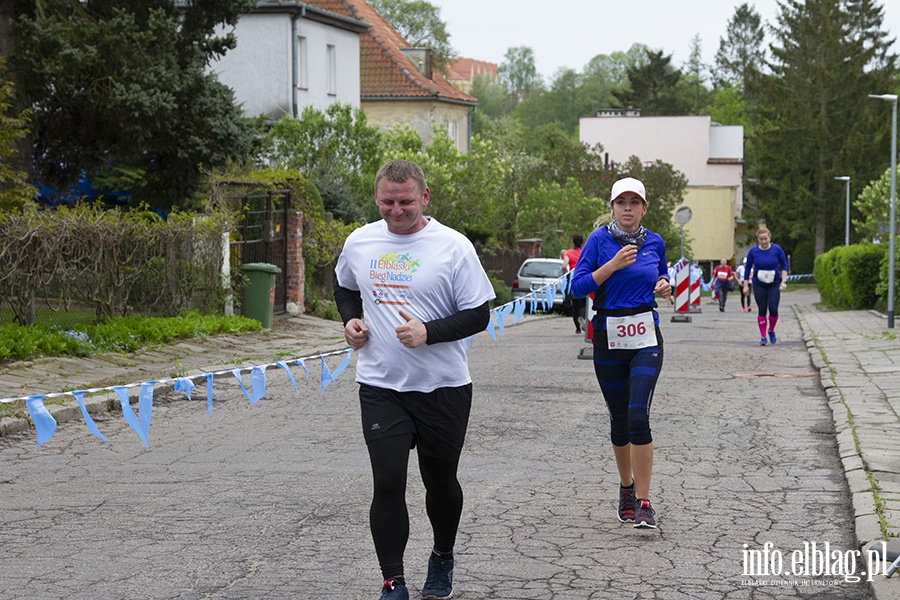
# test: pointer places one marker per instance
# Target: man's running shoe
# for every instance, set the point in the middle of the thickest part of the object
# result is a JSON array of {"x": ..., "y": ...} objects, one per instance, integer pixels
[
  {"x": 394, "y": 590},
  {"x": 762, "y": 341},
  {"x": 643, "y": 515},
  {"x": 439, "y": 583},
  {"x": 772, "y": 337},
  {"x": 626, "y": 503}
]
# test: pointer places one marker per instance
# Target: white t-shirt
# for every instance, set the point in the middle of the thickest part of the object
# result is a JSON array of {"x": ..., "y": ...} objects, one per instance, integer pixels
[{"x": 430, "y": 274}]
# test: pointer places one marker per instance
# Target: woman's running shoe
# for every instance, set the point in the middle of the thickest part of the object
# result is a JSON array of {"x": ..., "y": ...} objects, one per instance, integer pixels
[
  {"x": 762, "y": 341},
  {"x": 644, "y": 516},
  {"x": 772, "y": 337},
  {"x": 626, "y": 504}
]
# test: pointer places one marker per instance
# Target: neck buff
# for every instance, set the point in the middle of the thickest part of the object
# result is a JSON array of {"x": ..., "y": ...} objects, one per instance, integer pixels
[{"x": 628, "y": 237}]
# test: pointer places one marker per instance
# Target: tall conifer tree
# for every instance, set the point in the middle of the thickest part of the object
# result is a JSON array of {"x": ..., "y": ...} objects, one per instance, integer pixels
[{"x": 816, "y": 120}]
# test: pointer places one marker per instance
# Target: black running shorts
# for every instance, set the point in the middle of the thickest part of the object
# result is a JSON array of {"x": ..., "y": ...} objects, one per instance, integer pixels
[{"x": 437, "y": 419}]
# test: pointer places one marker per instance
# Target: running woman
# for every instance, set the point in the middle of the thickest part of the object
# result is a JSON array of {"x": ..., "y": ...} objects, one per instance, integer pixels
[
  {"x": 768, "y": 264},
  {"x": 624, "y": 265},
  {"x": 570, "y": 259},
  {"x": 409, "y": 291},
  {"x": 743, "y": 276}
]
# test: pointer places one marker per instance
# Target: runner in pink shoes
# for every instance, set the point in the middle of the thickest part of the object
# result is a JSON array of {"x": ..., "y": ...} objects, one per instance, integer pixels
[{"x": 768, "y": 264}]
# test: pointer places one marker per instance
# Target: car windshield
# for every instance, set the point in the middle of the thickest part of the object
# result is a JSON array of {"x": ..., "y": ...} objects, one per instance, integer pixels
[{"x": 542, "y": 269}]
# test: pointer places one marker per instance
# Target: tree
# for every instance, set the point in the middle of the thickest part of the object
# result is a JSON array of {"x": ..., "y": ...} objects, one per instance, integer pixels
[
  {"x": 336, "y": 149},
  {"x": 741, "y": 51},
  {"x": 572, "y": 95},
  {"x": 493, "y": 102},
  {"x": 14, "y": 188},
  {"x": 653, "y": 87},
  {"x": 728, "y": 106},
  {"x": 692, "y": 85},
  {"x": 872, "y": 204},
  {"x": 559, "y": 104},
  {"x": 611, "y": 71},
  {"x": 518, "y": 72},
  {"x": 556, "y": 212},
  {"x": 816, "y": 119},
  {"x": 420, "y": 24},
  {"x": 566, "y": 158},
  {"x": 122, "y": 85}
]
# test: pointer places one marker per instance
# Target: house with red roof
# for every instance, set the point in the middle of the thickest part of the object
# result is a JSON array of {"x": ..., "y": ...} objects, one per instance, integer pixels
[
  {"x": 397, "y": 83},
  {"x": 463, "y": 71}
]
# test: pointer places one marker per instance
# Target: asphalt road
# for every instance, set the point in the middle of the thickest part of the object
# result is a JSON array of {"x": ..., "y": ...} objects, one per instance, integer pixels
[{"x": 271, "y": 500}]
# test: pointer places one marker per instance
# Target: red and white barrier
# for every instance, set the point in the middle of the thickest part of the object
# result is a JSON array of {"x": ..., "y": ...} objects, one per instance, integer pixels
[
  {"x": 695, "y": 294},
  {"x": 682, "y": 286}
]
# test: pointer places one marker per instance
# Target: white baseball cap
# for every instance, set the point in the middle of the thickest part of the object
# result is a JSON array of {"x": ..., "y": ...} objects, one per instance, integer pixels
[{"x": 628, "y": 184}]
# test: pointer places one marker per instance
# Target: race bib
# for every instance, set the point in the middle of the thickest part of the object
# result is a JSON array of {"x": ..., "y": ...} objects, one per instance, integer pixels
[
  {"x": 722, "y": 275},
  {"x": 631, "y": 332},
  {"x": 766, "y": 276}
]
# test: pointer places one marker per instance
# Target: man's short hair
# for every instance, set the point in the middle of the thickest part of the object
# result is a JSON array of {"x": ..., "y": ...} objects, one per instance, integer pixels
[{"x": 399, "y": 171}]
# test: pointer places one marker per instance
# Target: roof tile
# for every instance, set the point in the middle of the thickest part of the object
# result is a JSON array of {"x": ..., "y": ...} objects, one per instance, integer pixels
[{"x": 385, "y": 72}]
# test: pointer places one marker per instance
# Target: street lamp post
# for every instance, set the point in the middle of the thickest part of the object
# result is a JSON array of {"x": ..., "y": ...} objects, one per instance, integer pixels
[
  {"x": 847, "y": 215},
  {"x": 892, "y": 98}
]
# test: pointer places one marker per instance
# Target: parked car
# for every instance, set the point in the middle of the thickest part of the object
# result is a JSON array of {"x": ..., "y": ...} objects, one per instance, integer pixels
[{"x": 534, "y": 274}]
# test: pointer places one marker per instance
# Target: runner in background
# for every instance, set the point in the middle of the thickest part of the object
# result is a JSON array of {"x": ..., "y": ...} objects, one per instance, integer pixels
[
  {"x": 570, "y": 258},
  {"x": 722, "y": 279},
  {"x": 768, "y": 264},
  {"x": 743, "y": 276}
]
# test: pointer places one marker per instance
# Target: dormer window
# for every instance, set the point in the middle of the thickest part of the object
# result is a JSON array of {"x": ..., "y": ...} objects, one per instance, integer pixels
[{"x": 420, "y": 58}]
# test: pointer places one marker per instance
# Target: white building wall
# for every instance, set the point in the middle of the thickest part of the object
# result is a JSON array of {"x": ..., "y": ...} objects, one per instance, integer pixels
[
  {"x": 260, "y": 69},
  {"x": 726, "y": 141},
  {"x": 687, "y": 143},
  {"x": 346, "y": 44}
]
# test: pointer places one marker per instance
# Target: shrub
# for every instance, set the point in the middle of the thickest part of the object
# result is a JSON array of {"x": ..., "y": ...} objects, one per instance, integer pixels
[
  {"x": 501, "y": 290},
  {"x": 848, "y": 276},
  {"x": 118, "y": 263},
  {"x": 120, "y": 334}
]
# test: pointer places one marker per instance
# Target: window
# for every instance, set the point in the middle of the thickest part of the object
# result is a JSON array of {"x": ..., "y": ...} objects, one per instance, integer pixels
[
  {"x": 331, "y": 75},
  {"x": 451, "y": 131},
  {"x": 302, "y": 63}
]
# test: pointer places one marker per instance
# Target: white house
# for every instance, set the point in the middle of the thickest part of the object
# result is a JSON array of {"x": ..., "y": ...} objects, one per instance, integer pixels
[
  {"x": 711, "y": 156},
  {"x": 290, "y": 55}
]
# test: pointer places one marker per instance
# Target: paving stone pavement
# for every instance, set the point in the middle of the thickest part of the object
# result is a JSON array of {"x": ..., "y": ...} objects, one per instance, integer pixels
[{"x": 756, "y": 461}]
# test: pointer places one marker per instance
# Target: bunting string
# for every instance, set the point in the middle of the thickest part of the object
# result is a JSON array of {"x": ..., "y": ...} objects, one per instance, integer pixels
[{"x": 45, "y": 425}]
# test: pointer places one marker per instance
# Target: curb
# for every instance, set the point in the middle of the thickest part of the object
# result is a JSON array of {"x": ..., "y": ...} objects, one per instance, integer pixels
[{"x": 867, "y": 523}]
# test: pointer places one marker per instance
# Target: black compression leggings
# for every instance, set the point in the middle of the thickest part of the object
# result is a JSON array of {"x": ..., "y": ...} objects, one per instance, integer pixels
[
  {"x": 388, "y": 515},
  {"x": 768, "y": 296}
]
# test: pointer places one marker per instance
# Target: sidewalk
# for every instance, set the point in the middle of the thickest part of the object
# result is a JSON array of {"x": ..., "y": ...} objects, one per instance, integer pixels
[{"x": 858, "y": 359}]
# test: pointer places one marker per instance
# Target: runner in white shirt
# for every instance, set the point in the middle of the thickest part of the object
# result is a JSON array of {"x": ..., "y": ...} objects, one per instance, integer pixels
[{"x": 409, "y": 291}]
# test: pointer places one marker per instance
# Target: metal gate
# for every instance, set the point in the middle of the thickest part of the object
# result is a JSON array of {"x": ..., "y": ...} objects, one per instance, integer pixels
[{"x": 262, "y": 238}]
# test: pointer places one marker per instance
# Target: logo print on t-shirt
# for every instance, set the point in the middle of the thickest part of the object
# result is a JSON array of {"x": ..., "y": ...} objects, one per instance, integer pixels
[{"x": 392, "y": 277}]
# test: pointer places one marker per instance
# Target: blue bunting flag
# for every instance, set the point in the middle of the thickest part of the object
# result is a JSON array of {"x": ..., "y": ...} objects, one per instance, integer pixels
[
  {"x": 92, "y": 427},
  {"x": 44, "y": 423}
]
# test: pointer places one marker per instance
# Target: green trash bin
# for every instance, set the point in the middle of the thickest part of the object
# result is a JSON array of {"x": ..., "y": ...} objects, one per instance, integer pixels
[{"x": 259, "y": 292}]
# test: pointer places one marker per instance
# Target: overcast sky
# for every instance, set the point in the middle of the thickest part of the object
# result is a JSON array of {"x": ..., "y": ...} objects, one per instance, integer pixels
[{"x": 569, "y": 33}]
